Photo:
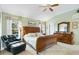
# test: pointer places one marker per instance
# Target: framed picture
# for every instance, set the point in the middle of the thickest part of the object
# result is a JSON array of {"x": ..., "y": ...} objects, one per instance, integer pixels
[
  {"x": 31, "y": 23},
  {"x": 75, "y": 25}
]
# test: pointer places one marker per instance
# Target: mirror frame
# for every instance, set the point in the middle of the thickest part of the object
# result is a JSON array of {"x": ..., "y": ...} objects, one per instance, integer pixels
[{"x": 68, "y": 26}]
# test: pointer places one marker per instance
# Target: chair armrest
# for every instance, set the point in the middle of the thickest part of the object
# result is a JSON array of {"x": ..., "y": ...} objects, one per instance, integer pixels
[{"x": 17, "y": 39}]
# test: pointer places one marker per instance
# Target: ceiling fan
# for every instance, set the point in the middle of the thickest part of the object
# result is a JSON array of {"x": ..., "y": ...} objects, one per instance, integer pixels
[{"x": 49, "y": 6}]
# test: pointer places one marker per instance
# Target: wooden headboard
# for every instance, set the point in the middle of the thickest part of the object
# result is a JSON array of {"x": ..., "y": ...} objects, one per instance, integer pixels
[{"x": 27, "y": 30}]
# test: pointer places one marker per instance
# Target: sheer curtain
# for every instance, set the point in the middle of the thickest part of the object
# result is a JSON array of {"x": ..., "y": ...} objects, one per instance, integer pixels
[
  {"x": 9, "y": 27},
  {"x": 0, "y": 30},
  {"x": 19, "y": 29},
  {"x": 0, "y": 34}
]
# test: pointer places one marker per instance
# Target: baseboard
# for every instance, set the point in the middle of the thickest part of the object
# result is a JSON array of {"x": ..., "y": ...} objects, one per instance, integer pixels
[{"x": 2, "y": 49}]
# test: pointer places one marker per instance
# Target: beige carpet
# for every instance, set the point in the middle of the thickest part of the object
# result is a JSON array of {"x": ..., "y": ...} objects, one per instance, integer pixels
[
  {"x": 59, "y": 49},
  {"x": 22, "y": 53},
  {"x": 54, "y": 52}
]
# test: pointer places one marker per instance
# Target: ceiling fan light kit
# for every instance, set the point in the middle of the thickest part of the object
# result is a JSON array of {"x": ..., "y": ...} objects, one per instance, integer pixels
[{"x": 49, "y": 6}]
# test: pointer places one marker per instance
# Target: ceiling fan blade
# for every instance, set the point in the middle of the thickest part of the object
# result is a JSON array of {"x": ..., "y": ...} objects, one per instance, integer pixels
[
  {"x": 50, "y": 9},
  {"x": 43, "y": 6},
  {"x": 45, "y": 9},
  {"x": 54, "y": 5}
]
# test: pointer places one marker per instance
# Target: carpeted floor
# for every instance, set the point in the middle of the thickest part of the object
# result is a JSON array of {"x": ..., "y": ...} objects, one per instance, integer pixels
[
  {"x": 22, "y": 53},
  {"x": 59, "y": 49}
]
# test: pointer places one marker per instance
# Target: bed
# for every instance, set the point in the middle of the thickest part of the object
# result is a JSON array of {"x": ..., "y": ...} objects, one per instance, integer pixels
[{"x": 34, "y": 39}]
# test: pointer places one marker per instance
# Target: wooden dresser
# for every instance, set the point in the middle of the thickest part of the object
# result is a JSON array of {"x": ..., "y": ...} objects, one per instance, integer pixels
[{"x": 64, "y": 37}]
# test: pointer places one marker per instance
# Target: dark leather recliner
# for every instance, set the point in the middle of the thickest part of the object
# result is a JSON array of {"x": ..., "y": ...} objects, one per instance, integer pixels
[{"x": 12, "y": 44}]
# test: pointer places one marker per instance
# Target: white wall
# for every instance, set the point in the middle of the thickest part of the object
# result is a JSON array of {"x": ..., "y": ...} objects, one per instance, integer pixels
[
  {"x": 50, "y": 27},
  {"x": 0, "y": 27},
  {"x": 0, "y": 30},
  {"x": 0, "y": 22},
  {"x": 76, "y": 31}
]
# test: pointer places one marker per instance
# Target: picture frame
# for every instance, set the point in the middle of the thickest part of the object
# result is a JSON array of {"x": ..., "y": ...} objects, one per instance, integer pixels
[
  {"x": 31, "y": 23},
  {"x": 75, "y": 25}
]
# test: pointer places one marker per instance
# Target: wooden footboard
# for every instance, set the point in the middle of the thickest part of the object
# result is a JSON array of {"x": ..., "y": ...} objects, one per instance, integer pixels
[{"x": 44, "y": 41}]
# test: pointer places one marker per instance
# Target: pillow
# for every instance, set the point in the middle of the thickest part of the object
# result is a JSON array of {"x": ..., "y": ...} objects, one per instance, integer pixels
[
  {"x": 32, "y": 34},
  {"x": 39, "y": 34}
]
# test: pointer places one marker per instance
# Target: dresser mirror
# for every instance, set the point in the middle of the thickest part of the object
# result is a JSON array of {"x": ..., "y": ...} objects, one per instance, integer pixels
[{"x": 63, "y": 27}]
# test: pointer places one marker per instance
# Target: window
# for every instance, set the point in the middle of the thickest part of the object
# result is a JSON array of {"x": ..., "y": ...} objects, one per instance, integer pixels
[{"x": 13, "y": 28}]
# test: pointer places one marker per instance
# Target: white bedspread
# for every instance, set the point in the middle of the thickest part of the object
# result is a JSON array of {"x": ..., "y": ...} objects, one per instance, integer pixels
[{"x": 31, "y": 40}]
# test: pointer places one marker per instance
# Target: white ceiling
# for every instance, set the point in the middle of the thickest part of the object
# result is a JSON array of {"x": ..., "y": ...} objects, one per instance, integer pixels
[{"x": 35, "y": 11}]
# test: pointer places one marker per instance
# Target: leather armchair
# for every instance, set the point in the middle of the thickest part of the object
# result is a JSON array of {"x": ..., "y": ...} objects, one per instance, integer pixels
[{"x": 12, "y": 44}]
